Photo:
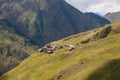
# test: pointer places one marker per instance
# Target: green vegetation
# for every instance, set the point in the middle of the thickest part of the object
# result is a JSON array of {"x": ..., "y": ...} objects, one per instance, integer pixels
[
  {"x": 13, "y": 49},
  {"x": 96, "y": 60},
  {"x": 99, "y": 34}
]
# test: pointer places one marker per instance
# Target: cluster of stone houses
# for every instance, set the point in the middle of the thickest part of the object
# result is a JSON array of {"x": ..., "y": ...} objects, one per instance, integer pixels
[{"x": 50, "y": 49}]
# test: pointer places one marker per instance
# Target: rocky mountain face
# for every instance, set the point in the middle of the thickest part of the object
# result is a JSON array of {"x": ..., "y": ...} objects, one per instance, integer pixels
[
  {"x": 113, "y": 16},
  {"x": 42, "y": 21}
]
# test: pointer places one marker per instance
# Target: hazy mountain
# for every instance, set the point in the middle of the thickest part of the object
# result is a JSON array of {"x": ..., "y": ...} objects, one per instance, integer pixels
[
  {"x": 113, "y": 16},
  {"x": 42, "y": 21}
]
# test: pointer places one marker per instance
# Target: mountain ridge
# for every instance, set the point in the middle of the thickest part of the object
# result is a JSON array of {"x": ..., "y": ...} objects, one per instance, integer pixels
[{"x": 44, "y": 20}]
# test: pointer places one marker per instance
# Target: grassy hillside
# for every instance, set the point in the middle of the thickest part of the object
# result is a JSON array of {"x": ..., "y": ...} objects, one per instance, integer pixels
[
  {"x": 13, "y": 49},
  {"x": 96, "y": 59}
]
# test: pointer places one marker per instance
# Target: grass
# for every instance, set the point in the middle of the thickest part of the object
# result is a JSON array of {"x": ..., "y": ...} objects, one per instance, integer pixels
[{"x": 96, "y": 60}]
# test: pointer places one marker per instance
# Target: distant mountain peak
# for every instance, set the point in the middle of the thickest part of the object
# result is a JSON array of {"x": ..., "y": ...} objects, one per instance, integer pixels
[{"x": 113, "y": 16}]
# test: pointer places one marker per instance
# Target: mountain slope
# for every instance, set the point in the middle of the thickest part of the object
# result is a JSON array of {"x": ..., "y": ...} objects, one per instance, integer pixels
[
  {"x": 42, "y": 21},
  {"x": 113, "y": 16},
  {"x": 98, "y": 18},
  {"x": 13, "y": 49},
  {"x": 99, "y": 59}
]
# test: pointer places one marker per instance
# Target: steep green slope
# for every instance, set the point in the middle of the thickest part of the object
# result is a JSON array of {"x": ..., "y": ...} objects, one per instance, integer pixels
[
  {"x": 98, "y": 59},
  {"x": 13, "y": 49},
  {"x": 42, "y": 21}
]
